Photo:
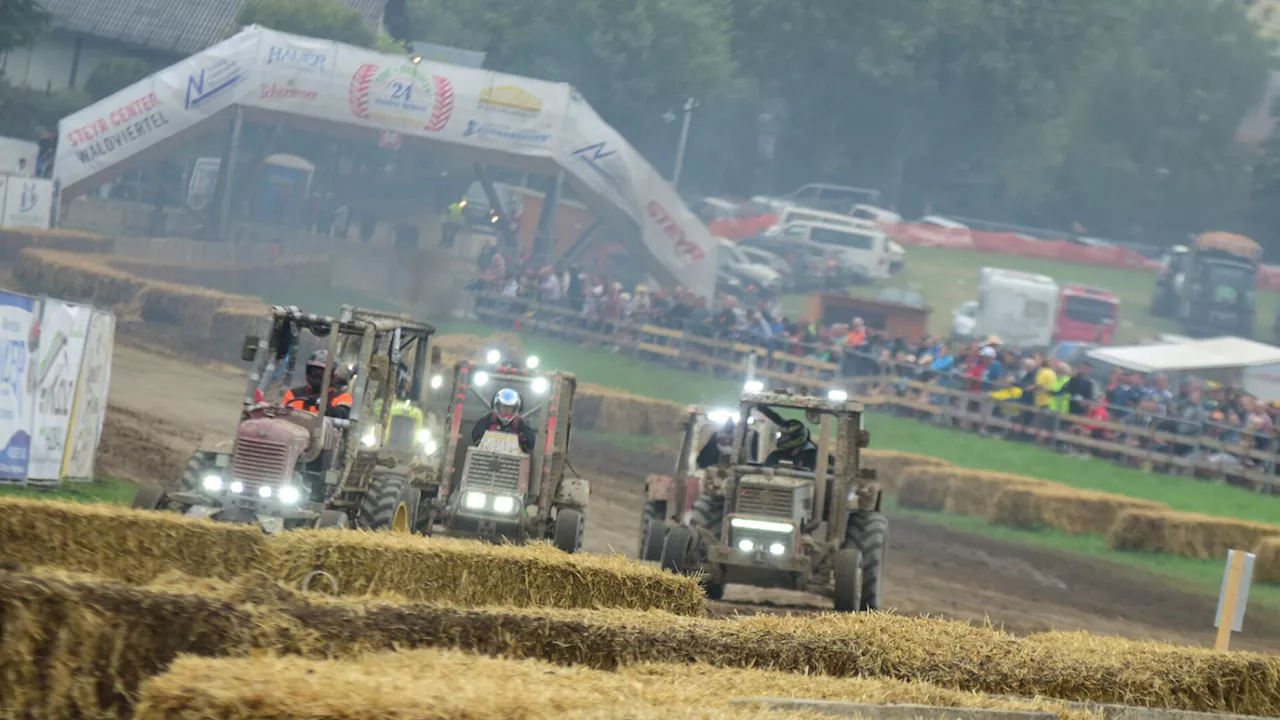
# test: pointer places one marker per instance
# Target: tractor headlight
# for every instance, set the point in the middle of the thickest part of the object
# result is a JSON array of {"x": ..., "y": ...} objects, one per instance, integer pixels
[
  {"x": 430, "y": 447},
  {"x": 370, "y": 437},
  {"x": 473, "y": 501},
  {"x": 236, "y": 487},
  {"x": 436, "y": 382},
  {"x": 837, "y": 396},
  {"x": 504, "y": 504},
  {"x": 212, "y": 483},
  {"x": 493, "y": 357},
  {"x": 540, "y": 385},
  {"x": 746, "y": 545},
  {"x": 264, "y": 492},
  {"x": 532, "y": 362},
  {"x": 424, "y": 436},
  {"x": 777, "y": 549},
  {"x": 721, "y": 416},
  {"x": 482, "y": 379},
  {"x": 753, "y": 386},
  {"x": 289, "y": 495}
]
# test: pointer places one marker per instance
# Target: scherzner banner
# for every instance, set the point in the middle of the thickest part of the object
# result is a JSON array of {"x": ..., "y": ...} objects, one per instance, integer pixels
[
  {"x": 63, "y": 327},
  {"x": 90, "y": 405},
  {"x": 17, "y": 317}
]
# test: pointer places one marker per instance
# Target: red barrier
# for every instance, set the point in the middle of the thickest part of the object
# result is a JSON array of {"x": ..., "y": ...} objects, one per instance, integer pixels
[{"x": 742, "y": 228}]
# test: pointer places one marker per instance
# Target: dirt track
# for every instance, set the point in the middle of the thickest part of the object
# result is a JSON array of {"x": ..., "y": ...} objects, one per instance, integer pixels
[{"x": 163, "y": 407}]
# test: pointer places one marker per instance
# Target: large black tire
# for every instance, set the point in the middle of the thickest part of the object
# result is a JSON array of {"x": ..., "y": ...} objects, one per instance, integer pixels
[
  {"x": 675, "y": 549},
  {"x": 148, "y": 497},
  {"x": 571, "y": 527},
  {"x": 868, "y": 531},
  {"x": 848, "y": 580},
  {"x": 332, "y": 519},
  {"x": 708, "y": 514},
  {"x": 389, "y": 504},
  {"x": 651, "y": 532}
]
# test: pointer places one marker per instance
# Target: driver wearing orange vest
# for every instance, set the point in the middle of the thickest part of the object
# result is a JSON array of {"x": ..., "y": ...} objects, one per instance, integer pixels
[{"x": 307, "y": 397}]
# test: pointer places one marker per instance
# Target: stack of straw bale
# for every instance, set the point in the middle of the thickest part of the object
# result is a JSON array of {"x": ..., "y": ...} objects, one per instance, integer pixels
[
  {"x": 1267, "y": 565},
  {"x": 891, "y": 466},
  {"x": 76, "y": 277},
  {"x": 87, "y": 644},
  {"x": 960, "y": 491},
  {"x": 1187, "y": 534},
  {"x": 466, "y": 572},
  {"x": 229, "y": 277},
  {"x": 1078, "y": 512},
  {"x": 15, "y": 240},
  {"x": 614, "y": 411},
  {"x": 459, "y": 685}
]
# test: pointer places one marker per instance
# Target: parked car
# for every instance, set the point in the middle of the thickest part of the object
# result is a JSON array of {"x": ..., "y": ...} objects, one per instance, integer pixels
[{"x": 732, "y": 260}]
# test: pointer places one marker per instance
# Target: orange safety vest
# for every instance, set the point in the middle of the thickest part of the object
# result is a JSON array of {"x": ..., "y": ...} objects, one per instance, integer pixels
[{"x": 299, "y": 402}]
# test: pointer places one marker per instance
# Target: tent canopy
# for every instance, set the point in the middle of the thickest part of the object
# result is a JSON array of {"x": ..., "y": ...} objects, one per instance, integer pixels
[
  {"x": 1196, "y": 355},
  {"x": 490, "y": 117}
]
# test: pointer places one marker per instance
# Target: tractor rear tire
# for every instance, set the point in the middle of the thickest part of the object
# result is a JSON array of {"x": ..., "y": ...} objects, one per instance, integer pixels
[
  {"x": 848, "y": 580},
  {"x": 333, "y": 519},
  {"x": 389, "y": 504},
  {"x": 148, "y": 497},
  {"x": 571, "y": 526},
  {"x": 868, "y": 531},
  {"x": 651, "y": 529},
  {"x": 675, "y": 550}
]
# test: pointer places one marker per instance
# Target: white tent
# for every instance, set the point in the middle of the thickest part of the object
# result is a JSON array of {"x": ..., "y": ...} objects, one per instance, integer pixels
[
  {"x": 1212, "y": 354},
  {"x": 493, "y": 118}
]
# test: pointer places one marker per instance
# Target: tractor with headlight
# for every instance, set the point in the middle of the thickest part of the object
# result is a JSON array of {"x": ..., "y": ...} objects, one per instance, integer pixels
[
  {"x": 779, "y": 509},
  {"x": 506, "y": 444},
  {"x": 343, "y": 450}
]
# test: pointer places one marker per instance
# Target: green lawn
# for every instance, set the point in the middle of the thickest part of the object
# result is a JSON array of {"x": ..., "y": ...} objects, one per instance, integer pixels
[
  {"x": 103, "y": 490},
  {"x": 946, "y": 278}
]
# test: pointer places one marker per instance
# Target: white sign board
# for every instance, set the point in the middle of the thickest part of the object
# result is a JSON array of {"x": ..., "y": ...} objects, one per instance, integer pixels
[
  {"x": 90, "y": 406},
  {"x": 1242, "y": 599},
  {"x": 17, "y": 316},
  {"x": 510, "y": 115},
  {"x": 25, "y": 202},
  {"x": 63, "y": 328}
]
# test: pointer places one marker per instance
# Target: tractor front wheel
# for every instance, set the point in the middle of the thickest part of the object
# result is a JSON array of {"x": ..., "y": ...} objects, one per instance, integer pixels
[
  {"x": 571, "y": 526},
  {"x": 148, "y": 497},
  {"x": 868, "y": 531},
  {"x": 651, "y": 528},
  {"x": 848, "y": 580},
  {"x": 389, "y": 504},
  {"x": 675, "y": 550}
]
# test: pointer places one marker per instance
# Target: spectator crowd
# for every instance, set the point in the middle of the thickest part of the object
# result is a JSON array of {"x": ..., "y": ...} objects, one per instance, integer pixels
[{"x": 1033, "y": 396}]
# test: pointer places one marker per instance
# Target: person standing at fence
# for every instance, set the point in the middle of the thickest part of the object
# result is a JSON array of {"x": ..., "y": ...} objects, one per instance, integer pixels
[{"x": 1046, "y": 383}]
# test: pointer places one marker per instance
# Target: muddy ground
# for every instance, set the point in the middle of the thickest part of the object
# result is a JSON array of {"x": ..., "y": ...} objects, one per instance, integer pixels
[{"x": 163, "y": 406}]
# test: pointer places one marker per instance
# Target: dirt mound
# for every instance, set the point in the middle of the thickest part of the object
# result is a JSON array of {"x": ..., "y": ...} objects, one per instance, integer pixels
[{"x": 142, "y": 448}]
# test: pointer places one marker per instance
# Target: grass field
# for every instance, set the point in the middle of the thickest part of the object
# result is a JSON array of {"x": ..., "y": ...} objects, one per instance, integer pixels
[
  {"x": 104, "y": 490},
  {"x": 946, "y": 278}
]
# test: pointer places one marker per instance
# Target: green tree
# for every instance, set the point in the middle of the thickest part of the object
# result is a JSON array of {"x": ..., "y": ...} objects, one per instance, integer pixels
[
  {"x": 21, "y": 22},
  {"x": 328, "y": 19},
  {"x": 116, "y": 73}
]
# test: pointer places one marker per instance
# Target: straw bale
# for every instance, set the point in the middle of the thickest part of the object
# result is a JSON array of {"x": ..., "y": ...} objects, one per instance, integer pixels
[
  {"x": 460, "y": 685},
  {"x": 231, "y": 324},
  {"x": 1078, "y": 512},
  {"x": 465, "y": 572},
  {"x": 227, "y": 276},
  {"x": 75, "y": 277},
  {"x": 97, "y": 640},
  {"x": 922, "y": 489},
  {"x": 1267, "y": 565},
  {"x": 890, "y": 465},
  {"x": 1205, "y": 537},
  {"x": 972, "y": 492},
  {"x": 15, "y": 240},
  {"x": 455, "y": 346},
  {"x": 121, "y": 543},
  {"x": 187, "y": 306}
]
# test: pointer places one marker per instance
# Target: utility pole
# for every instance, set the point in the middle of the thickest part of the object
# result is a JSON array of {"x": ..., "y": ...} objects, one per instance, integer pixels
[{"x": 689, "y": 105}]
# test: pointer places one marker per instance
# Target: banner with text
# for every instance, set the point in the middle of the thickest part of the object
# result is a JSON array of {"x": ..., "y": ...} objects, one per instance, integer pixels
[
  {"x": 90, "y": 406},
  {"x": 17, "y": 320},
  {"x": 59, "y": 351}
]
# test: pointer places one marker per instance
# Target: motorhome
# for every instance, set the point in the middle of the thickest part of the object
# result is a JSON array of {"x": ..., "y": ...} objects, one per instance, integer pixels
[
  {"x": 862, "y": 250},
  {"x": 1018, "y": 307}
]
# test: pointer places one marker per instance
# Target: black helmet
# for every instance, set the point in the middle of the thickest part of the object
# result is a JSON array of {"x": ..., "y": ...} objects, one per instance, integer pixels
[
  {"x": 506, "y": 404},
  {"x": 792, "y": 436}
]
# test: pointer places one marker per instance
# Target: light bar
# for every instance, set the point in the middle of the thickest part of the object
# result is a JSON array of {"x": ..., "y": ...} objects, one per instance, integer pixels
[
  {"x": 721, "y": 416},
  {"x": 761, "y": 525},
  {"x": 753, "y": 386}
]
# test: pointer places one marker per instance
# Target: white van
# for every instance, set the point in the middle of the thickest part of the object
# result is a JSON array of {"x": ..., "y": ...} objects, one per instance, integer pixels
[
  {"x": 1018, "y": 307},
  {"x": 863, "y": 250},
  {"x": 875, "y": 214},
  {"x": 897, "y": 254}
]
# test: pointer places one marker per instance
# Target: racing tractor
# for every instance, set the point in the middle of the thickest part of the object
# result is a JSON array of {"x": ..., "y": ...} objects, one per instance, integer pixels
[
  {"x": 494, "y": 489},
  {"x": 776, "y": 524},
  {"x": 310, "y": 462}
]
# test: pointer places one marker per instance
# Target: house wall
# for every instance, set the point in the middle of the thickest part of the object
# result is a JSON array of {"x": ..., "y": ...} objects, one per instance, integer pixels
[{"x": 47, "y": 64}]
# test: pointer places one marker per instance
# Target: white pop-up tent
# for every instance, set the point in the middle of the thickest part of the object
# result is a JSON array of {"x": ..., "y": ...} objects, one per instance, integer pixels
[
  {"x": 1253, "y": 365},
  {"x": 493, "y": 118}
]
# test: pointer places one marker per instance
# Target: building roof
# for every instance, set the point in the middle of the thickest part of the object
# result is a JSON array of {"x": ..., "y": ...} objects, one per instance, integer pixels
[{"x": 179, "y": 26}]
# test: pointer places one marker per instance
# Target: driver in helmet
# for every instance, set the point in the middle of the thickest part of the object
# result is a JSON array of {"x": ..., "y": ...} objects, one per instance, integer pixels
[
  {"x": 504, "y": 416},
  {"x": 794, "y": 447},
  {"x": 307, "y": 397}
]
